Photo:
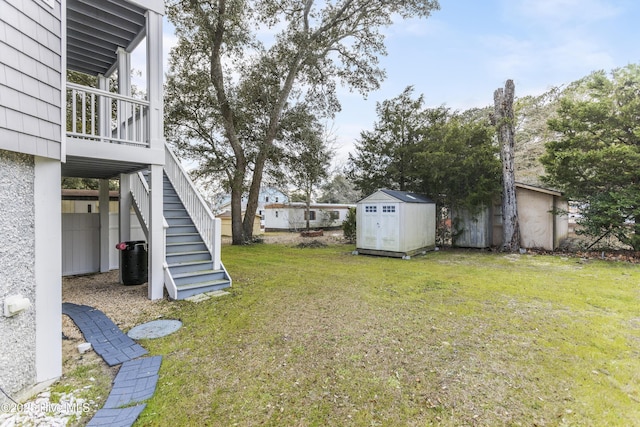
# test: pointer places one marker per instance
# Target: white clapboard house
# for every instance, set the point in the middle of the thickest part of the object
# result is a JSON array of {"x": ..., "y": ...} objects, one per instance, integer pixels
[{"x": 293, "y": 216}]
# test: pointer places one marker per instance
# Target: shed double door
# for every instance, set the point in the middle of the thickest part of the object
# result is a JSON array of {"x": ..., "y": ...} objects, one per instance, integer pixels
[{"x": 382, "y": 226}]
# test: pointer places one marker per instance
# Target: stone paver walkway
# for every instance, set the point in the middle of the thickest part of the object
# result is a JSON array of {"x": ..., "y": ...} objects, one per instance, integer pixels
[
  {"x": 121, "y": 417},
  {"x": 136, "y": 380},
  {"x": 106, "y": 338}
]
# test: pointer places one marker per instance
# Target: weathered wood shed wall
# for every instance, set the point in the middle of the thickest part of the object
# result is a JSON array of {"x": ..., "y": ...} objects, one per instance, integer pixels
[{"x": 540, "y": 226}]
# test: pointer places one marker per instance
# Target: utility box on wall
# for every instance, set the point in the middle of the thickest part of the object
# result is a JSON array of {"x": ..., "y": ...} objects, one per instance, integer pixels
[{"x": 395, "y": 223}]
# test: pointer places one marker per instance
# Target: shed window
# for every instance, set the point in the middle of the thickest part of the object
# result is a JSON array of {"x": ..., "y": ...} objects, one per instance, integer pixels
[
  {"x": 371, "y": 208},
  {"x": 334, "y": 215},
  {"x": 388, "y": 209},
  {"x": 311, "y": 216}
]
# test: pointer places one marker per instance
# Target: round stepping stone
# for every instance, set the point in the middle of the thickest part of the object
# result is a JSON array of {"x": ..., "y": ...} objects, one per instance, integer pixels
[{"x": 154, "y": 329}]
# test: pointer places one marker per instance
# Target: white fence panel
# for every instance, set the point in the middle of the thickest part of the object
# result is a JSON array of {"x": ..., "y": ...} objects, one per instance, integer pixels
[{"x": 81, "y": 242}]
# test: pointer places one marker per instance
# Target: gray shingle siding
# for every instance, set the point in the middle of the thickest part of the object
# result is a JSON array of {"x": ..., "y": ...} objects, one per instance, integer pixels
[{"x": 30, "y": 77}]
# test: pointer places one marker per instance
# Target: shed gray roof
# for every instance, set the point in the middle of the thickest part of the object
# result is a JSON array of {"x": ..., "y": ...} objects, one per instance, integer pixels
[{"x": 407, "y": 197}]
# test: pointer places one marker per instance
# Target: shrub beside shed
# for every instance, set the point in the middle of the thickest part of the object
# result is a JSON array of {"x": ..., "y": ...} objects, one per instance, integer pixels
[{"x": 395, "y": 223}]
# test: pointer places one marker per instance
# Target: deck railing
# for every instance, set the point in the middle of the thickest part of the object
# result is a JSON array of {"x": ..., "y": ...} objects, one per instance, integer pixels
[{"x": 127, "y": 122}]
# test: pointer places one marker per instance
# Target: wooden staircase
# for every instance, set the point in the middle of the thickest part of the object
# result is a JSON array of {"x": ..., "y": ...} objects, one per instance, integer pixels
[{"x": 189, "y": 262}]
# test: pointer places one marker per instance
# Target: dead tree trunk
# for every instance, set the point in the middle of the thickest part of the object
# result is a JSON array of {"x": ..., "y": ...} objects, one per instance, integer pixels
[{"x": 504, "y": 121}]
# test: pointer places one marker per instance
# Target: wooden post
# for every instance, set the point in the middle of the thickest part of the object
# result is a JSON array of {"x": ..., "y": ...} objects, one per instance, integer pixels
[
  {"x": 504, "y": 120},
  {"x": 105, "y": 248},
  {"x": 156, "y": 142}
]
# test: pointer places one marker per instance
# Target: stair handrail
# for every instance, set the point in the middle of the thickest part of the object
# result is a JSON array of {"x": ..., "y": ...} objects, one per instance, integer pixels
[
  {"x": 205, "y": 222},
  {"x": 141, "y": 199}
]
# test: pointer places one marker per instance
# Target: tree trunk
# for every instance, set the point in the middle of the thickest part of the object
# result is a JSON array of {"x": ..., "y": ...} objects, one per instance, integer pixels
[
  {"x": 308, "y": 203},
  {"x": 504, "y": 120},
  {"x": 237, "y": 233},
  {"x": 253, "y": 196}
]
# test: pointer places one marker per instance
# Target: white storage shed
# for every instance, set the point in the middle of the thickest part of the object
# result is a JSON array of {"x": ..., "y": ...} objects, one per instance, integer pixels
[{"x": 395, "y": 223}]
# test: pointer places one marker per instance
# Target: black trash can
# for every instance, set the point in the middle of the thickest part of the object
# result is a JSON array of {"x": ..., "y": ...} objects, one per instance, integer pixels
[{"x": 133, "y": 262}]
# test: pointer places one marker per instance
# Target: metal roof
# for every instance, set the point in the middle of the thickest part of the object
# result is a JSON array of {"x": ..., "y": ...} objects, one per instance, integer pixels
[{"x": 96, "y": 29}]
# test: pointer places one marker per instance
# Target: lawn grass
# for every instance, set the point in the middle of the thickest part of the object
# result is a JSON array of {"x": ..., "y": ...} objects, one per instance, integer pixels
[{"x": 320, "y": 337}]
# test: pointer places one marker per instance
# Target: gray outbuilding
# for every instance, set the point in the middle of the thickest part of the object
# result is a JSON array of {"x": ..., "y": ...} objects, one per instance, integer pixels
[{"x": 395, "y": 223}]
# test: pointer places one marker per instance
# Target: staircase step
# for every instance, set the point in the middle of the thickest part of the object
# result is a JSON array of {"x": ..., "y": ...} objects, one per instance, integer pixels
[
  {"x": 181, "y": 229},
  {"x": 183, "y": 279},
  {"x": 183, "y": 237},
  {"x": 197, "y": 288},
  {"x": 181, "y": 247},
  {"x": 180, "y": 257},
  {"x": 190, "y": 266},
  {"x": 173, "y": 205},
  {"x": 175, "y": 213},
  {"x": 183, "y": 220}
]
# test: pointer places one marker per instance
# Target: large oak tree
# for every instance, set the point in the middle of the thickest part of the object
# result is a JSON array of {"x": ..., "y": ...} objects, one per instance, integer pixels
[{"x": 240, "y": 67}]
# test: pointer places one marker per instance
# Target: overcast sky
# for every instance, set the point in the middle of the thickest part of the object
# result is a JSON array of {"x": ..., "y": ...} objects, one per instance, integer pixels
[{"x": 467, "y": 49}]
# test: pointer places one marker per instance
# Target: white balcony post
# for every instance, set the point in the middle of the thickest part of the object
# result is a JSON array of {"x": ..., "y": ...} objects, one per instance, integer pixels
[
  {"x": 154, "y": 80},
  {"x": 156, "y": 235},
  {"x": 156, "y": 142},
  {"x": 124, "y": 212},
  {"x": 124, "y": 88},
  {"x": 103, "y": 200},
  {"x": 124, "y": 72},
  {"x": 104, "y": 108}
]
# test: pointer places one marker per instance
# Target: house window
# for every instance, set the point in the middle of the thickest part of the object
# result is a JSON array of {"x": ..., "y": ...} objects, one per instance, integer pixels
[
  {"x": 388, "y": 209},
  {"x": 333, "y": 215},
  {"x": 277, "y": 199},
  {"x": 276, "y": 214},
  {"x": 371, "y": 209},
  {"x": 88, "y": 208},
  {"x": 266, "y": 199},
  {"x": 311, "y": 216}
]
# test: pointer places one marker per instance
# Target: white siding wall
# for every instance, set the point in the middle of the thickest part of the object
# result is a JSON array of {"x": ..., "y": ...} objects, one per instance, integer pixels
[
  {"x": 418, "y": 221},
  {"x": 30, "y": 77}
]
